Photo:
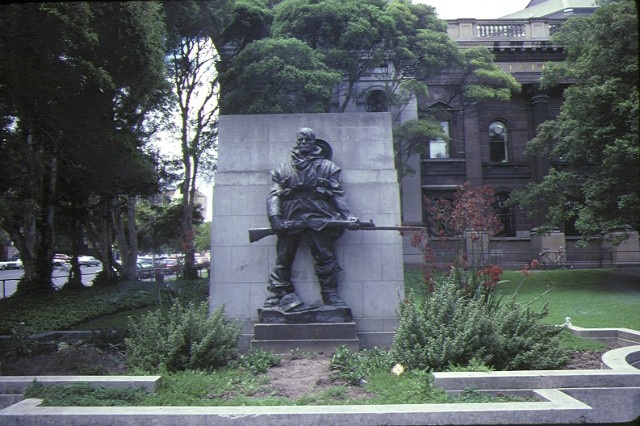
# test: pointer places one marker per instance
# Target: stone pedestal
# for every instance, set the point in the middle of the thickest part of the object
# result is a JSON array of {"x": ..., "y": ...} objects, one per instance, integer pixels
[
  {"x": 313, "y": 337},
  {"x": 372, "y": 280}
]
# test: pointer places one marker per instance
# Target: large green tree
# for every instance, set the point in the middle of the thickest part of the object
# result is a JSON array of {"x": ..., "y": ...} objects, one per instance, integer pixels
[
  {"x": 76, "y": 82},
  {"x": 594, "y": 141}
]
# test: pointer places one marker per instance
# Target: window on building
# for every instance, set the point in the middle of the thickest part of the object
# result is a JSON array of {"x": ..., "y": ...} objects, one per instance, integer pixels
[
  {"x": 498, "y": 142},
  {"x": 377, "y": 101},
  {"x": 505, "y": 215},
  {"x": 439, "y": 148}
]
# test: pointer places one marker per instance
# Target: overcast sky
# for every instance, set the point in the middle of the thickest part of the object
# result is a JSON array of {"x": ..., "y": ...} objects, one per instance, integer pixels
[{"x": 480, "y": 9}]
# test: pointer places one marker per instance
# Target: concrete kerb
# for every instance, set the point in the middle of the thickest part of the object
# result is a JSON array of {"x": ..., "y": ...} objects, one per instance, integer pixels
[{"x": 607, "y": 396}]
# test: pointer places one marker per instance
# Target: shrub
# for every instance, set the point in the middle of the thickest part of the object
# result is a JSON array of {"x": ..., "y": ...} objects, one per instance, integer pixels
[
  {"x": 523, "y": 342},
  {"x": 442, "y": 328},
  {"x": 445, "y": 327},
  {"x": 185, "y": 339}
]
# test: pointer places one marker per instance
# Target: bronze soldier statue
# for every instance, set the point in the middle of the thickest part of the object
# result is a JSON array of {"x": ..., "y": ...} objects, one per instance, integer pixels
[{"x": 307, "y": 190}]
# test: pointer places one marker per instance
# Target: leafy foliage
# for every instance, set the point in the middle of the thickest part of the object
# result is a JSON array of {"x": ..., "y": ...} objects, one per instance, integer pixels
[
  {"x": 408, "y": 140},
  {"x": 277, "y": 76},
  {"x": 186, "y": 339},
  {"x": 446, "y": 327},
  {"x": 471, "y": 214},
  {"x": 595, "y": 139},
  {"x": 473, "y": 208},
  {"x": 79, "y": 80},
  {"x": 349, "y": 34}
]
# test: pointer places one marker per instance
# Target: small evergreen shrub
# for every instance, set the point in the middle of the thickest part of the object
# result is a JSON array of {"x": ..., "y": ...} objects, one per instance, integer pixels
[
  {"x": 525, "y": 343},
  {"x": 186, "y": 339},
  {"x": 441, "y": 328},
  {"x": 444, "y": 327}
]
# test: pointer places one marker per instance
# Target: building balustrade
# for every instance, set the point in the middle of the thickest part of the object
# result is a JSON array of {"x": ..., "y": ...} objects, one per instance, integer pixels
[{"x": 484, "y": 31}]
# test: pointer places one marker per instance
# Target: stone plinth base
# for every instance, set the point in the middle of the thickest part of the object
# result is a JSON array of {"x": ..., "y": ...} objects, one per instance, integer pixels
[
  {"x": 320, "y": 314},
  {"x": 314, "y": 337}
]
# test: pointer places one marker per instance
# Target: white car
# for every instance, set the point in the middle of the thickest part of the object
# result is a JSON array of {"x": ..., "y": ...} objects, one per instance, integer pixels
[
  {"x": 11, "y": 264},
  {"x": 88, "y": 261}
]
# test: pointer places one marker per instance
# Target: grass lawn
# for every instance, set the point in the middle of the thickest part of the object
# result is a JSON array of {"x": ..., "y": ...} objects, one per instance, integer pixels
[{"x": 592, "y": 297}]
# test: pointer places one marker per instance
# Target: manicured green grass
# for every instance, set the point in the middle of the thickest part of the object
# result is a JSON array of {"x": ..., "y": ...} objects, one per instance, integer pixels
[{"x": 592, "y": 298}]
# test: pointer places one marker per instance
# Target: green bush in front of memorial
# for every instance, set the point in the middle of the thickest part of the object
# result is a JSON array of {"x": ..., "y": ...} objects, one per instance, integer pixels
[
  {"x": 442, "y": 326},
  {"x": 185, "y": 338}
]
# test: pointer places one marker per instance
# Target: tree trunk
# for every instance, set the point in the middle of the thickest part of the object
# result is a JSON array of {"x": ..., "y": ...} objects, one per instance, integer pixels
[
  {"x": 188, "y": 235},
  {"x": 37, "y": 250},
  {"x": 126, "y": 236},
  {"x": 75, "y": 273}
]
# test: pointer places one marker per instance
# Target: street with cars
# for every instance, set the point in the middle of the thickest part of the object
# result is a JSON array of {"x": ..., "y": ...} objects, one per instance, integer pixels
[
  {"x": 148, "y": 268},
  {"x": 9, "y": 278}
]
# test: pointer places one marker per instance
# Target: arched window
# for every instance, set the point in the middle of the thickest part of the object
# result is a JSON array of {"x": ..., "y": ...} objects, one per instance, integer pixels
[
  {"x": 505, "y": 214},
  {"x": 377, "y": 101},
  {"x": 498, "y": 142}
]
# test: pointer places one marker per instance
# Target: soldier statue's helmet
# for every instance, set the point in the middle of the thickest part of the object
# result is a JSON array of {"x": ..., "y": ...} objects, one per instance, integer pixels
[{"x": 325, "y": 149}]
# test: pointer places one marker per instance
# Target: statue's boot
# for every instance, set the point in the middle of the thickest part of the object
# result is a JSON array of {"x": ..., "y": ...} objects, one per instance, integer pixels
[
  {"x": 289, "y": 302},
  {"x": 331, "y": 298}
]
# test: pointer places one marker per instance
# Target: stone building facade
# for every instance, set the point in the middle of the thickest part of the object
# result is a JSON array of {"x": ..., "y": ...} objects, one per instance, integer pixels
[{"x": 488, "y": 140}]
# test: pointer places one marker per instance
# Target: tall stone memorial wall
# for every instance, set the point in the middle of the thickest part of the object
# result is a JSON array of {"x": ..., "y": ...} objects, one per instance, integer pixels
[{"x": 372, "y": 279}]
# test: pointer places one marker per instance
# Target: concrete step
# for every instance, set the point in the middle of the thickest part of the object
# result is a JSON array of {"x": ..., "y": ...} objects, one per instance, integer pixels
[{"x": 305, "y": 345}]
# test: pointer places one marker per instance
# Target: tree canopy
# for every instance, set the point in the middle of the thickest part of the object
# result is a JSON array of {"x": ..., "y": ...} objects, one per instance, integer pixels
[
  {"x": 77, "y": 81},
  {"x": 278, "y": 76},
  {"x": 594, "y": 140}
]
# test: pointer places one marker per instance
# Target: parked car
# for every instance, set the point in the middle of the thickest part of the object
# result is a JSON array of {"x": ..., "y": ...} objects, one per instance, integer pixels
[
  {"x": 170, "y": 266},
  {"x": 60, "y": 260},
  {"x": 11, "y": 264},
  {"x": 202, "y": 262},
  {"x": 88, "y": 261},
  {"x": 145, "y": 270}
]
